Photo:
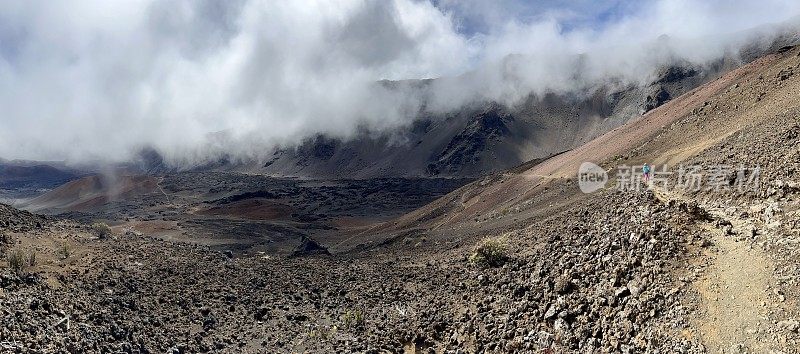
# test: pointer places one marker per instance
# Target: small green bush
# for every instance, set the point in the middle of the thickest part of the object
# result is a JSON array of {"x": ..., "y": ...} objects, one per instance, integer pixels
[
  {"x": 492, "y": 252},
  {"x": 64, "y": 250},
  {"x": 321, "y": 332},
  {"x": 102, "y": 229},
  {"x": 353, "y": 319}
]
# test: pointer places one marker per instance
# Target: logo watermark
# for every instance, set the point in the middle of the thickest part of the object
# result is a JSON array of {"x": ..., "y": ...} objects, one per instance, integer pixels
[
  {"x": 691, "y": 178},
  {"x": 591, "y": 177}
]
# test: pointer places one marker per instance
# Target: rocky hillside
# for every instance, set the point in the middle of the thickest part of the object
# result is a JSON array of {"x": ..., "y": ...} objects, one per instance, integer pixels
[
  {"x": 14, "y": 220},
  {"x": 139, "y": 294}
]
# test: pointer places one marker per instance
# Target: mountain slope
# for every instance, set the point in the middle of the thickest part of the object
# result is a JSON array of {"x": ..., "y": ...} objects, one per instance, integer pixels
[
  {"x": 21, "y": 179},
  {"x": 622, "y": 145},
  {"x": 92, "y": 192},
  {"x": 478, "y": 139},
  {"x": 487, "y": 137},
  {"x": 731, "y": 277}
]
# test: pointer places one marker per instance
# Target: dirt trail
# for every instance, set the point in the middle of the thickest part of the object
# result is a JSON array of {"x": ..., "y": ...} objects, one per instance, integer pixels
[
  {"x": 160, "y": 189},
  {"x": 735, "y": 289},
  {"x": 735, "y": 294}
]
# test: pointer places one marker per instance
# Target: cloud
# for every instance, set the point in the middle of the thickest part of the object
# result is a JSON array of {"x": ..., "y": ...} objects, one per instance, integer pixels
[{"x": 194, "y": 79}]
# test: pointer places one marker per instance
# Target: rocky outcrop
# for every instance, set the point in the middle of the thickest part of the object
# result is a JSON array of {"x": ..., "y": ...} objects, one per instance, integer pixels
[{"x": 309, "y": 247}]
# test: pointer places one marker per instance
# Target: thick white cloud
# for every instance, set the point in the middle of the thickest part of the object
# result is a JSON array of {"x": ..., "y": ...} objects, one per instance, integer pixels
[
  {"x": 100, "y": 79},
  {"x": 96, "y": 80}
]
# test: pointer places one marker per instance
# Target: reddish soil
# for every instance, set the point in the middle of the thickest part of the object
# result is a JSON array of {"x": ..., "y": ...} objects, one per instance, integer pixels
[{"x": 92, "y": 192}]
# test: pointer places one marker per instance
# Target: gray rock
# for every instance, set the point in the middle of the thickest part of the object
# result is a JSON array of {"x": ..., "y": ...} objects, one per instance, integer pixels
[
  {"x": 544, "y": 339},
  {"x": 551, "y": 312},
  {"x": 790, "y": 325},
  {"x": 562, "y": 327}
]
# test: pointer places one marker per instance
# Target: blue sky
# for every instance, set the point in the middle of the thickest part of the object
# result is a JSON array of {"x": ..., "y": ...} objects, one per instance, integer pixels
[{"x": 480, "y": 16}]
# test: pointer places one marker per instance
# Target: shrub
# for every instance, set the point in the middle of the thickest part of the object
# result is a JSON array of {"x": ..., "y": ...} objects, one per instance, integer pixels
[
  {"x": 322, "y": 332},
  {"x": 63, "y": 250},
  {"x": 492, "y": 252},
  {"x": 18, "y": 261},
  {"x": 353, "y": 319},
  {"x": 102, "y": 229},
  {"x": 32, "y": 258},
  {"x": 5, "y": 241}
]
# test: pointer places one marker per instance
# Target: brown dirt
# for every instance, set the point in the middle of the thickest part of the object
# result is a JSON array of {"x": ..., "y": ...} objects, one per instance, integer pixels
[
  {"x": 734, "y": 287},
  {"x": 254, "y": 209},
  {"x": 735, "y": 293}
]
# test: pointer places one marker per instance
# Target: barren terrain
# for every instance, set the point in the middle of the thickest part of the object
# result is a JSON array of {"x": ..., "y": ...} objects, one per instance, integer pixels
[{"x": 519, "y": 261}]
